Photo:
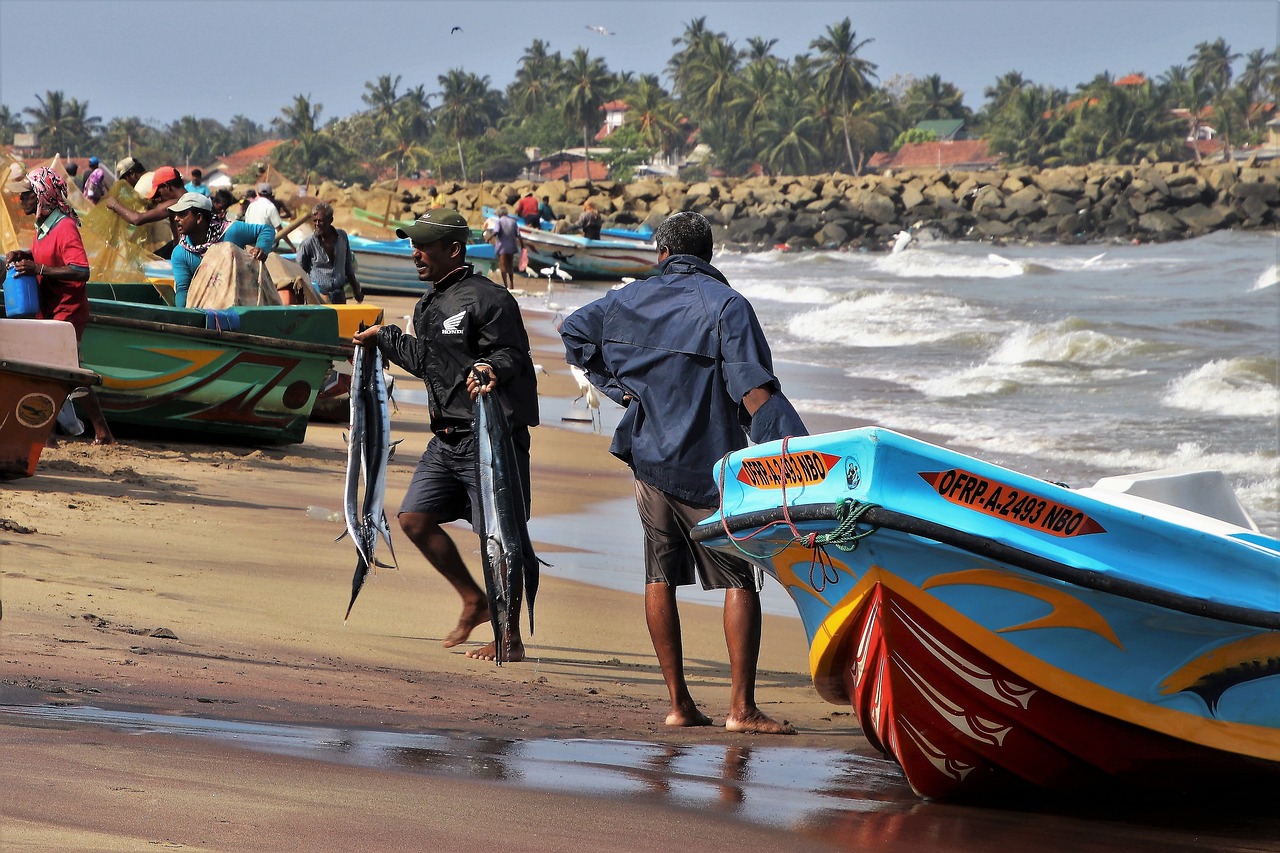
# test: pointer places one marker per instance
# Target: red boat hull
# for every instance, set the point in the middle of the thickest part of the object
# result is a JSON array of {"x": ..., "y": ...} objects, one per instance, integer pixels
[{"x": 962, "y": 725}]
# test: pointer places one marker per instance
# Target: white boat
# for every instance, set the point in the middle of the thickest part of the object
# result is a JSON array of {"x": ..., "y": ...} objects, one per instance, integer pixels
[
  {"x": 386, "y": 266},
  {"x": 600, "y": 260}
]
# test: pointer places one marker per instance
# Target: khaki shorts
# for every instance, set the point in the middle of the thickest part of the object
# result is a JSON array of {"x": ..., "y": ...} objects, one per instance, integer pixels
[{"x": 671, "y": 557}]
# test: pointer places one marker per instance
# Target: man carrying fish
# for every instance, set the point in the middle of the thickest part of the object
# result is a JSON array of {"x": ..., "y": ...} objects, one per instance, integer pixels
[
  {"x": 465, "y": 323},
  {"x": 685, "y": 354}
]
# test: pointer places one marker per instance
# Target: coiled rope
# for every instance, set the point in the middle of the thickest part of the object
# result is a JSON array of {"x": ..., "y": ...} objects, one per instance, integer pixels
[{"x": 845, "y": 535}]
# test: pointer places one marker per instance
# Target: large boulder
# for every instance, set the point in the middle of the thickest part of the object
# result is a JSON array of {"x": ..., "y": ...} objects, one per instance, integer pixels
[
  {"x": 872, "y": 206},
  {"x": 1160, "y": 223},
  {"x": 1201, "y": 219}
]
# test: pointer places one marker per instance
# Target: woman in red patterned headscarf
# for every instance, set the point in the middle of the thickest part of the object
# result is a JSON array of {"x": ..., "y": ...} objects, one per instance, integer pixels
[{"x": 58, "y": 260}]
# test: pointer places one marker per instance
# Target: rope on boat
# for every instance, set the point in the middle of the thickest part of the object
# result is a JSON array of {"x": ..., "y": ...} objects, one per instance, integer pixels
[{"x": 845, "y": 535}]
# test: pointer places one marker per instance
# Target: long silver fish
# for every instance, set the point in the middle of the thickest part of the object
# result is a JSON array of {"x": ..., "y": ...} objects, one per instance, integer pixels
[
  {"x": 510, "y": 564},
  {"x": 368, "y": 450}
]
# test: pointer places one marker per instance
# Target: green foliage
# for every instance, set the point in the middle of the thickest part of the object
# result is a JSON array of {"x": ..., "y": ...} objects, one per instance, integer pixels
[
  {"x": 818, "y": 111},
  {"x": 911, "y": 135}
]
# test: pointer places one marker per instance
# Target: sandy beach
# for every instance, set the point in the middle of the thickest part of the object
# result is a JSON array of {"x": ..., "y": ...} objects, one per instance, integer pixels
[{"x": 188, "y": 580}]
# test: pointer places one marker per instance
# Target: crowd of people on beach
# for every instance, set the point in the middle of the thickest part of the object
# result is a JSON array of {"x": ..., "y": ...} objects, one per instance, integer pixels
[{"x": 682, "y": 352}]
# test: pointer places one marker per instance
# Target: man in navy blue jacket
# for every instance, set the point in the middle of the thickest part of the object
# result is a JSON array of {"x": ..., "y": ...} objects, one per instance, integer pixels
[{"x": 684, "y": 352}]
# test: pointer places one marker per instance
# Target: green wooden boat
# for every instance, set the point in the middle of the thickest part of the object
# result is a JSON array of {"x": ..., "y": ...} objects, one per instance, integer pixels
[{"x": 244, "y": 375}]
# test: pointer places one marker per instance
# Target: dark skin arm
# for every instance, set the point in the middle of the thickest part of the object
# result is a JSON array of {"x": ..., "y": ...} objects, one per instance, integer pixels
[
  {"x": 22, "y": 263},
  {"x": 155, "y": 214},
  {"x": 370, "y": 335}
]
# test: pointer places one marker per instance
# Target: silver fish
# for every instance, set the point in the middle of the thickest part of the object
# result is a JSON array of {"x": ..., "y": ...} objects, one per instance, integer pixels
[
  {"x": 368, "y": 450},
  {"x": 510, "y": 564}
]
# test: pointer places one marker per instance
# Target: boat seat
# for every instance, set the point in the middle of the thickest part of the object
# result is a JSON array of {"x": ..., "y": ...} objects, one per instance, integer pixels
[
  {"x": 1197, "y": 490},
  {"x": 47, "y": 343}
]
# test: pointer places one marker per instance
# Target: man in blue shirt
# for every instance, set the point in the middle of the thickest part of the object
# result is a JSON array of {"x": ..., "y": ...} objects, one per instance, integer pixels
[{"x": 685, "y": 354}]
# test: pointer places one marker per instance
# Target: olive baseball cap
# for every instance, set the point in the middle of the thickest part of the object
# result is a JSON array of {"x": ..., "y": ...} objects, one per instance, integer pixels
[{"x": 436, "y": 224}]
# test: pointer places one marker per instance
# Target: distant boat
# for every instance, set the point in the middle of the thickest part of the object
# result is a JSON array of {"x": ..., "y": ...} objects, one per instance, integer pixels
[
  {"x": 600, "y": 260},
  {"x": 38, "y": 370},
  {"x": 994, "y": 631},
  {"x": 386, "y": 266}
]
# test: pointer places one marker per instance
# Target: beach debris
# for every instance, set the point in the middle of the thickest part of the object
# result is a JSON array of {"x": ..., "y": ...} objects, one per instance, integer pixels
[
  {"x": 369, "y": 447},
  {"x": 510, "y": 564}
]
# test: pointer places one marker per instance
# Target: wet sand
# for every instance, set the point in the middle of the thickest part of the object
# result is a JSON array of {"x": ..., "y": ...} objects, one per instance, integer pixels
[{"x": 188, "y": 581}]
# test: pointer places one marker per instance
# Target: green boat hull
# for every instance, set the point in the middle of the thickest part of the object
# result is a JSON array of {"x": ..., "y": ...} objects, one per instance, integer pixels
[{"x": 163, "y": 369}]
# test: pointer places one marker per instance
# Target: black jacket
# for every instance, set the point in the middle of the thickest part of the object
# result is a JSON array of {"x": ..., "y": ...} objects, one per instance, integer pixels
[{"x": 465, "y": 319}]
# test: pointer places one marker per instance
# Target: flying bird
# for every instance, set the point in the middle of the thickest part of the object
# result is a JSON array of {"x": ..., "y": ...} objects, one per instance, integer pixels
[
  {"x": 455, "y": 30},
  {"x": 601, "y": 30}
]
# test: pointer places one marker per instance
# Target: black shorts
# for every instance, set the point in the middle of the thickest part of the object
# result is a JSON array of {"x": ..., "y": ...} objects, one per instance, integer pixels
[
  {"x": 445, "y": 483},
  {"x": 671, "y": 557}
]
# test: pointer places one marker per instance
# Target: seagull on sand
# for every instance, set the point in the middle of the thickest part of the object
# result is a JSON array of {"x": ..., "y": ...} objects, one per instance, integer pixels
[{"x": 601, "y": 30}]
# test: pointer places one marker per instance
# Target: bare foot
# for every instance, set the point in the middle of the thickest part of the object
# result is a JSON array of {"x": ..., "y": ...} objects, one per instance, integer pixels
[
  {"x": 515, "y": 654},
  {"x": 467, "y": 622},
  {"x": 105, "y": 439},
  {"x": 756, "y": 723},
  {"x": 687, "y": 717}
]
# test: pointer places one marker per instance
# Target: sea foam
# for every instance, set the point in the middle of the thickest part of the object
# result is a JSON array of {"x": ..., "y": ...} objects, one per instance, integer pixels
[{"x": 1235, "y": 387}]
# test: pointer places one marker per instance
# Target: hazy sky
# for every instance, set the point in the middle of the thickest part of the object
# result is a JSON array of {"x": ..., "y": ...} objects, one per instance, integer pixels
[{"x": 162, "y": 59}]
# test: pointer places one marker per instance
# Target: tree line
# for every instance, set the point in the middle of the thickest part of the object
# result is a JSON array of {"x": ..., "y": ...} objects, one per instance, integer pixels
[{"x": 821, "y": 111}]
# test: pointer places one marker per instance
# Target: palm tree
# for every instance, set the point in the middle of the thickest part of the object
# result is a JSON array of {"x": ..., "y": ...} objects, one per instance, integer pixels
[
  {"x": 300, "y": 118},
  {"x": 381, "y": 97},
  {"x": 52, "y": 121},
  {"x": 654, "y": 115},
  {"x": 1212, "y": 62},
  {"x": 467, "y": 107},
  {"x": 753, "y": 98},
  {"x": 243, "y": 132},
  {"x": 585, "y": 87},
  {"x": 1184, "y": 88},
  {"x": 1006, "y": 86},
  {"x": 10, "y": 124},
  {"x": 1028, "y": 129},
  {"x": 692, "y": 43},
  {"x": 759, "y": 49},
  {"x": 792, "y": 149},
  {"x": 844, "y": 75},
  {"x": 933, "y": 98},
  {"x": 533, "y": 88},
  {"x": 711, "y": 77}
]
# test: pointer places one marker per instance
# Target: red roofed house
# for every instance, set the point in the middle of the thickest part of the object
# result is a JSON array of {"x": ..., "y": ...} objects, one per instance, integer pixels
[
  {"x": 569, "y": 165},
  {"x": 615, "y": 113},
  {"x": 962, "y": 154},
  {"x": 224, "y": 170}
]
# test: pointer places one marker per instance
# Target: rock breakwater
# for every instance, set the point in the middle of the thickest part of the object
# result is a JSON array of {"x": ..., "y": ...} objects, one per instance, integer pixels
[{"x": 1156, "y": 202}]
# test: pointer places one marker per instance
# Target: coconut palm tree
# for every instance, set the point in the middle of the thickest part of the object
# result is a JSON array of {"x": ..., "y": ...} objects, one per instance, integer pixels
[
  {"x": 585, "y": 87},
  {"x": 653, "y": 115},
  {"x": 10, "y": 124},
  {"x": 792, "y": 148},
  {"x": 844, "y": 75},
  {"x": 1006, "y": 86},
  {"x": 1212, "y": 62},
  {"x": 533, "y": 89},
  {"x": 243, "y": 132},
  {"x": 932, "y": 98},
  {"x": 1029, "y": 128},
  {"x": 57, "y": 122},
  {"x": 692, "y": 43},
  {"x": 467, "y": 107},
  {"x": 711, "y": 77},
  {"x": 298, "y": 119}
]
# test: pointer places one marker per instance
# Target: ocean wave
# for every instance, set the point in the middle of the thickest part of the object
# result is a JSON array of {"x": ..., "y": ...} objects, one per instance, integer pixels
[
  {"x": 1268, "y": 278},
  {"x": 1070, "y": 341},
  {"x": 1234, "y": 387},
  {"x": 775, "y": 290},
  {"x": 890, "y": 319},
  {"x": 926, "y": 263}
]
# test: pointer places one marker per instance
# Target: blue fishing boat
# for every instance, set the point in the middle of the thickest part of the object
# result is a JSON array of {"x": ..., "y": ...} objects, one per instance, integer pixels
[
  {"x": 386, "y": 266},
  {"x": 993, "y": 631},
  {"x": 581, "y": 258}
]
